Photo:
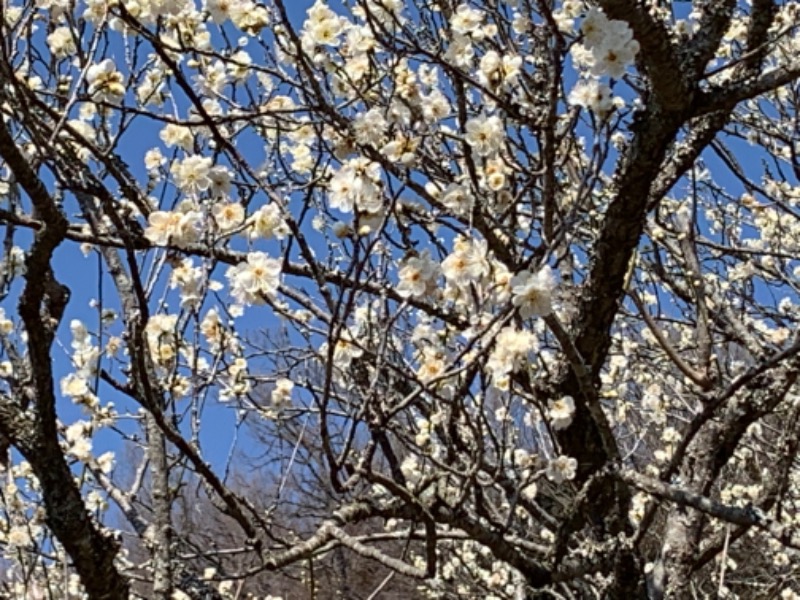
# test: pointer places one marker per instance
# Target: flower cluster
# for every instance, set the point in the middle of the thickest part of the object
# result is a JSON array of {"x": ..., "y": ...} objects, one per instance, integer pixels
[
  {"x": 608, "y": 49},
  {"x": 357, "y": 185},
  {"x": 85, "y": 356},
  {"x": 322, "y": 28},
  {"x": 512, "y": 347},
  {"x": 256, "y": 280},
  {"x": 267, "y": 222},
  {"x": 611, "y": 43},
  {"x": 180, "y": 227},
  {"x": 162, "y": 338},
  {"x": 467, "y": 264}
]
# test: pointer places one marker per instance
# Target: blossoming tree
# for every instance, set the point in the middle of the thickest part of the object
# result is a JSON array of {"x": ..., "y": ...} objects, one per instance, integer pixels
[{"x": 505, "y": 295}]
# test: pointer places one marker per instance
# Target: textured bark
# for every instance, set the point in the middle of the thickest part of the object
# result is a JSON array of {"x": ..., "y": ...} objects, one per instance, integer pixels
[
  {"x": 162, "y": 510},
  {"x": 41, "y": 307}
]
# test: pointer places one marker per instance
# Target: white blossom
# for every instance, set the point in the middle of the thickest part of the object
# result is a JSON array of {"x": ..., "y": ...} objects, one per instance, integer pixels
[
  {"x": 561, "y": 469},
  {"x": 532, "y": 292},
  {"x": 255, "y": 280}
]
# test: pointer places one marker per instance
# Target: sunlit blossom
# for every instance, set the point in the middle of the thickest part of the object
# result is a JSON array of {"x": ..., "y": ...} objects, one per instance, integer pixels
[
  {"x": 561, "y": 469},
  {"x": 561, "y": 412},
  {"x": 253, "y": 281},
  {"x": 532, "y": 292}
]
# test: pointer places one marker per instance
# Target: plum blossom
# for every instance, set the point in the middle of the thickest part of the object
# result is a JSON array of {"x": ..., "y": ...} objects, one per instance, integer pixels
[
  {"x": 532, "y": 292},
  {"x": 236, "y": 382},
  {"x": 497, "y": 70},
  {"x": 267, "y": 223},
  {"x": 511, "y": 347},
  {"x": 345, "y": 350},
  {"x": 282, "y": 392},
  {"x": 611, "y": 44},
  {"x": 467, "y": 263},
  {"x": 435, "y": 106},
  {"x": 80, "y": 446},
  {"x": 431, "y": 366},
  {"x": 561, "y": 469},
  {"x": 249, "y": 16},
  {"x": 220, "y": 10},
  {"x": 84, "y": 358},
  {"x": 561, "y": 412},
  {"x": 212, "y": 329},
  {"x": 105, "y": 82},
  {"x": 61, "y": 42},
  {"x": 357, "y": 185},
  {"x": 401, "y": 150},
  {"x": 166, "y": 227},
  {"x": 485, "y": 134},
  {"x": 74, "y": 386},
  {"x": 593, "y": 95},
  {"x": 466, "y": 20},
  {"x": 177, "y": 135},
  {"x": 220, "y": 177},
  {"x": 192, "y": 174},
  {"x": 457, "y": 199},
  {"x": 322, "y": 28},
  {"x": 212, "y": 79},
  {"x": 418, "y": 276},
  {"x": 14, "y": 262},
  {"x": 228, "y": 215},
  {"x": 189, "y": 280},
  {"x": 161, "y": 338},
  {"x": 613, "y": 58},
  {"x": 256, "y": 279},
  {"x": 369, "y": 128},
  {"x": 594, "y": 26}
]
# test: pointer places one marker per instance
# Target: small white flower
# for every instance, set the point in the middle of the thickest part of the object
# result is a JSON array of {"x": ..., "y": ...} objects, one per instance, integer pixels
[
  {"x": 192, "y": 174},
  {"x": 105, "y": 82},
  {"x": 511, "y": 348},
  {"x": 369, "y": 127},
  {"x": 166, "y": 227},
  {"x": 73, "y": 386},
  {"x": 177, "y": 135},
  {"x": 594, "y": 26},
  {"x": 252, "y": 281},
  {"x": 593, "y": 95},
  {"x": 467, "y": 263},
  {"x": 228, "y": 215},
  {"x": 485, "y": 134},
  {"x": 344, "y": 351},
  {"x": 61, "y": 42},
  {"x": 532, "y": 292},
  {"x": 282, "y": 392},
  {"x": 418, "y": 276},
  {"x": 466, "y": 20},
  {"x": 267, "y": 223},
  {"x": 357, "y": 184},
  {"x": 561, "y": 412},
  {"x": 561, "y": 469},
  {"x": 153, "y": 159},
  {"x": 105, "y": 462}
]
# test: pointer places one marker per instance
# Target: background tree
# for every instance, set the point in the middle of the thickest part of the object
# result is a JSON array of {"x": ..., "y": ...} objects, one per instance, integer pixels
[{"x": 528, "y": 271}]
